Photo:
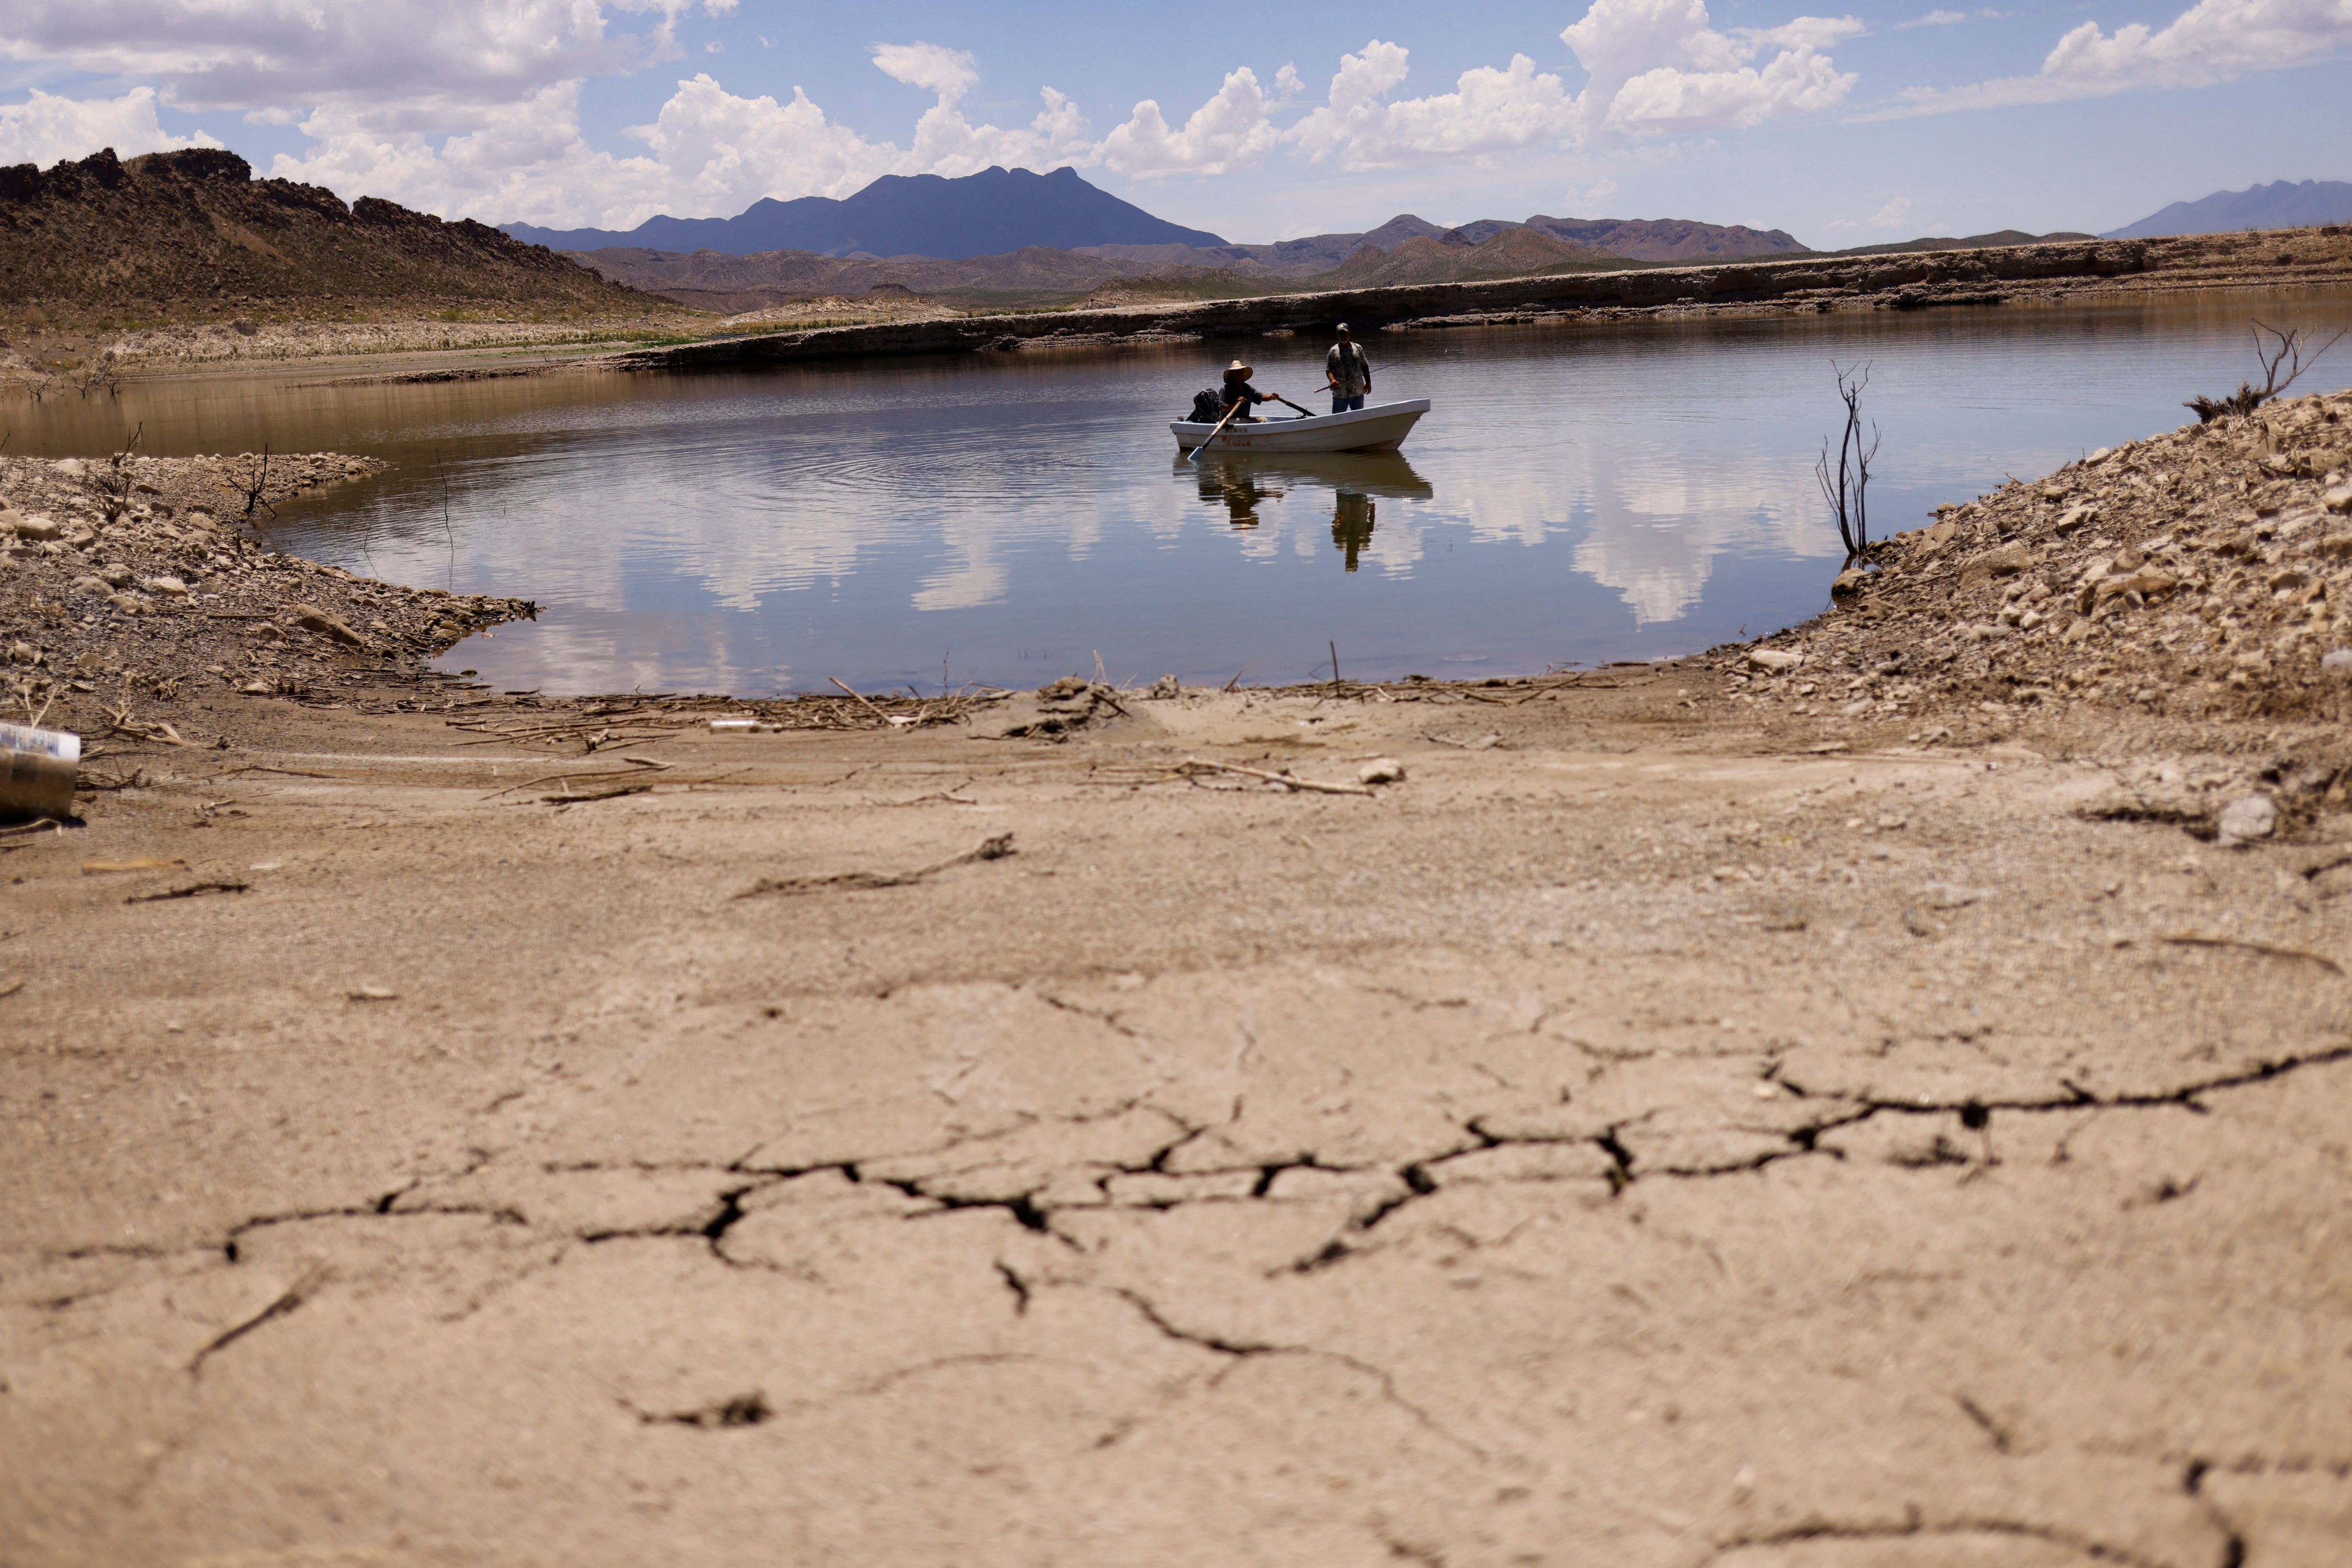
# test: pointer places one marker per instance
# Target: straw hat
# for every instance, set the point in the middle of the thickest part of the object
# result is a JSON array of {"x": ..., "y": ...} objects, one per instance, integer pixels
[{"x": 1241, "y": 369}]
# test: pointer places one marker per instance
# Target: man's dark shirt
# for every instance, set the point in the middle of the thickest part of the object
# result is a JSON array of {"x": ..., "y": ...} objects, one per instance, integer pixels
[{"x": 1245, "y": 394}]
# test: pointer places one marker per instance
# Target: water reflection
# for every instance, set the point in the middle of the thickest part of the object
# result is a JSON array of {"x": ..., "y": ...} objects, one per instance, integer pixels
[
  {"x": 1608, "y": 492},
  {"x": 1354, "y": 482},
  {"x": 1354, "y": 515},
  {"x": 1237, "y": 490}
]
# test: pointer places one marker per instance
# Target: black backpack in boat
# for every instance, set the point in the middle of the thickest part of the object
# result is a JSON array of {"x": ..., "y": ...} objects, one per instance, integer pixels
[{"x": 1207, "y": 405}]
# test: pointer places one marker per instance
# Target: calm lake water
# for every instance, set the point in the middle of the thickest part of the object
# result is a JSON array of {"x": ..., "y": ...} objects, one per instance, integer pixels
[{"x": 1577, "y": 496}]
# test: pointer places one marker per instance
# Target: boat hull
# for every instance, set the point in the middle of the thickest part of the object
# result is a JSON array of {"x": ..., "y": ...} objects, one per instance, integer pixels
[{"x": 1377, "y": 429}]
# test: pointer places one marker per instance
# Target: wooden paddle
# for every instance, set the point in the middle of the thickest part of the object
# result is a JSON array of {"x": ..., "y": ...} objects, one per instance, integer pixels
[{"x": 1239, "y": 404}]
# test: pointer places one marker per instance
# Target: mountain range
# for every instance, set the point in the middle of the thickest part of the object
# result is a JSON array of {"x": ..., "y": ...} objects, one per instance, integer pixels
[
  {"x": 987, "y": 214},
  {"x": 1405, "y": 250},
  {"x": 999, "y": 212},
  {"x": 1005, "y": 237},
  {"x": 1038, "y": 276},
  {"x": 1973, "y": 242},
  {"x": 1013, "y": 238},
  {"x": 2281, "y": 205}
]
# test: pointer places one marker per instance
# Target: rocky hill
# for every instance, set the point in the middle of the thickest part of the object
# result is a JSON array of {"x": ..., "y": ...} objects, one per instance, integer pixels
[
  {"x": 1506, "y": 253},
  {"x": 1664, "y": 239},
  {"x": 1637, "y": 239},
  {"x": 713, "y": 280},
  {"x": 1305, "y": 257},
  {"x": 1973, "y": 242},
  {"x": 192, "y": 235}
]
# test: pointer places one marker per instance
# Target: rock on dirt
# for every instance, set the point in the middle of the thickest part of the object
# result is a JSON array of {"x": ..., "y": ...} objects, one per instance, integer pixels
[
  {"x": 2248, "y": 817},
  {"x": 140, "y": 581}
]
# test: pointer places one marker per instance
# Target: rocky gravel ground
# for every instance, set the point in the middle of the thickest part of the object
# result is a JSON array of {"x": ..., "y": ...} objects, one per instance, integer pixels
[
  {"x": 129, "y": 586},
  {"x": 2205, "y": 572},
  {"x": 2197, "y": 578}
]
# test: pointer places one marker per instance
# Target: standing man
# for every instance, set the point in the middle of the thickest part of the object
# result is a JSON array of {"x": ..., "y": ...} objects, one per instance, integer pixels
[{"x": 1349, "y": 373}]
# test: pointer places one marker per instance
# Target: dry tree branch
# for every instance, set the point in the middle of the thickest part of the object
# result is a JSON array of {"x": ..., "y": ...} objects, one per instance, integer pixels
[
  {"x": 251, "y": 489},
  {"x": 114, "y": 482},
  {"x": 1846, "y": 488},
  {"x": 2291, "y": 349}
]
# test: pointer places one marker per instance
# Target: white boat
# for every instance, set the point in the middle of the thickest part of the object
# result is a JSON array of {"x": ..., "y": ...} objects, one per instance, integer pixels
[{"x": 1382, "y": 428}]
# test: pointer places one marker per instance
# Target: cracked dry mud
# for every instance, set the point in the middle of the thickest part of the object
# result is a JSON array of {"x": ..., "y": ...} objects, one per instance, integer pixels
[{"x": 1623, "y": 1141}]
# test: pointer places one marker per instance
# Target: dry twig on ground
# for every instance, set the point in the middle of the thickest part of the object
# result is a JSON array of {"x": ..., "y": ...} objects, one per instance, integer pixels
[
  {"x": 1193, "y": 765},
  {"x": 992, "y": 849}
]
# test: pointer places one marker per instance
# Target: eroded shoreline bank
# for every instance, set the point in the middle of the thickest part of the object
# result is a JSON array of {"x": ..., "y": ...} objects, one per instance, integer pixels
[{"x": 2023, "y": 275}]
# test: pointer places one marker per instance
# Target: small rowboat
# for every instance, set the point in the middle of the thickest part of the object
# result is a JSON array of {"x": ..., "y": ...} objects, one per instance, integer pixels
[{"x": 1382, "y": 428}]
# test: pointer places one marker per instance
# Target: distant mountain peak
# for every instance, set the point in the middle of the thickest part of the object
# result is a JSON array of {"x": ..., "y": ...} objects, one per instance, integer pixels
[
  {"x": 2281, "y": 204},
  {"x": 992, "y": 212}
]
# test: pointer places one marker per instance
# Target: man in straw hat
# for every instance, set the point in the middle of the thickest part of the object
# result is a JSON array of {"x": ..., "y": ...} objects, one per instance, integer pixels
[
  {"x": 1348, "y": 371},
  {"x": 1238, "y": 389}
]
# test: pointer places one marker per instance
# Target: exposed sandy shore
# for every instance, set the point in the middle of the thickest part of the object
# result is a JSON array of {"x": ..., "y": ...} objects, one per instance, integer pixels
[
  {"x": 85, "y": 362},
  {"x": 1682, "y": 1121}
]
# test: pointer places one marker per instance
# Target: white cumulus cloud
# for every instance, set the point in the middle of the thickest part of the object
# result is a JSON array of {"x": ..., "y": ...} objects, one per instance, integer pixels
[
  {"x": 2213, "y": 41},
  {"x": 1231, "y": 131},
  {"x": 1653, "y": 68},
  {"x": 399, "y": 62},
  {"x": 1661, "y": 67},
  {"x": 950, "y": 73},
  {"x": 1488, "y": 111},
  {"x": 45, "y": 128}
]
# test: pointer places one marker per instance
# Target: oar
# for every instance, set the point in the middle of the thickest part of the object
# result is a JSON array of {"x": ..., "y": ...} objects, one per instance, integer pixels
[
  {"x": 1239, "y": 404},
  {"x": 1287, "y": 403}
]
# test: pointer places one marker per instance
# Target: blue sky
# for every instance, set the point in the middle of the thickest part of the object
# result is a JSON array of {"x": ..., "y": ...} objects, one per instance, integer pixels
[{"x": 1838, "y": 123}]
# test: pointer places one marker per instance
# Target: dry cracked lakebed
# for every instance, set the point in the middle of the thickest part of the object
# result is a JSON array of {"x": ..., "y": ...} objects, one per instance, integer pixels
[{"x": 1625, "y": 1140}]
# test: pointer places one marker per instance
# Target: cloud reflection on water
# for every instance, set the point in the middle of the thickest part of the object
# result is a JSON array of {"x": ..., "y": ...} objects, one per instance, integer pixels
[{"x": 1582, "y": 494}]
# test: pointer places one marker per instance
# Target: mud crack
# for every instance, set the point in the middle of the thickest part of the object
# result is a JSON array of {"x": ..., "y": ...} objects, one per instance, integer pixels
[
  {"x": 288, "y": 1301},
  {"x": 1915, "y": 1525}
]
